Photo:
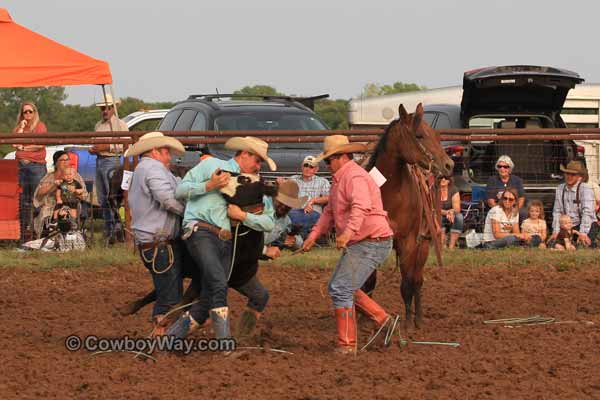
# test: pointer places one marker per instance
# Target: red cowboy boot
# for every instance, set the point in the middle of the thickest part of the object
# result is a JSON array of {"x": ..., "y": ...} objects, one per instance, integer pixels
[
  {"x": 368, "y": 306},
  {"x": 346, "y": 330}
]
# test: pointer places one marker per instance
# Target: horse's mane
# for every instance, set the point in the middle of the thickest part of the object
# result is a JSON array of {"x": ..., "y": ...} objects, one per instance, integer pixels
[{"x": 380, "y": 148}]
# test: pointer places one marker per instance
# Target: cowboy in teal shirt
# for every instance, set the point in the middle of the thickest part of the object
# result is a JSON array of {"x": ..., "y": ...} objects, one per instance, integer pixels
[
  {"x": 210, "y": 206},
  {"x": 200, "y": 188}
]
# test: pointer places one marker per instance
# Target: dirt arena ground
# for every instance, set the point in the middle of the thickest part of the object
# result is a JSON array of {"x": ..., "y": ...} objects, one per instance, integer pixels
[{"x": 558, "y": 361}]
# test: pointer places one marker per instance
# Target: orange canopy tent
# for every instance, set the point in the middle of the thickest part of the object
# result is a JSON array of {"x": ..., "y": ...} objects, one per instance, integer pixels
[{"x": 30, "y": 59}]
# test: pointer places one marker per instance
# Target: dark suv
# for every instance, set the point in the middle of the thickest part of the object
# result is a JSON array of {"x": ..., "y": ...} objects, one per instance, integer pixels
[
  {"x": 227, "y": 112},
  {"x": 521, "y": 97}
]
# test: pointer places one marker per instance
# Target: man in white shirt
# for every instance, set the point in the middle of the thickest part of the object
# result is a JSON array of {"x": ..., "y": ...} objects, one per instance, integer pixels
[{"x": 317, "y": 189}]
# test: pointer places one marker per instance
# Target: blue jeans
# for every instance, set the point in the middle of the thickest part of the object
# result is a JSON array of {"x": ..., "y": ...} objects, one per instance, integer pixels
[
  {"x": 306, "y": 220},
  {"x": 105, "y": 167},
  {"x": 355, "y": 266},
  {"x": 456, "y": 226},
  {"x": 535, "y": 241},
  {"x": 213, "y": 256},
  {"x": 253, "y": 290},
  {"x": 30, "y": 176},
  {"x": 507, "y": 241},
  {"x": 165, "y": 264}
]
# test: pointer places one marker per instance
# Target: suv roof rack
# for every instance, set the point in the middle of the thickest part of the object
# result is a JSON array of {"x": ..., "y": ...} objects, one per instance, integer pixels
[{"x": 306, "y": 101}]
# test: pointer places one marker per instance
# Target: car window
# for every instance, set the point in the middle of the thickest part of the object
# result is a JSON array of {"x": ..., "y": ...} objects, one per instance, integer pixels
[
  {"x": 199, "y": 123},
  {"x": 184, "y": 123},
  {"x": 169, "y": 120},
  {"x": 429, "y": 117},
  {"x": 146, "y": 125},
  {"x": 443, "y": 122},
  {"x": 267, "y": 121}
]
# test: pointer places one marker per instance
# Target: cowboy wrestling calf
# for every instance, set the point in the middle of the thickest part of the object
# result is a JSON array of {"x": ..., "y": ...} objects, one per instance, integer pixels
[{"x": 250, "y": 194}]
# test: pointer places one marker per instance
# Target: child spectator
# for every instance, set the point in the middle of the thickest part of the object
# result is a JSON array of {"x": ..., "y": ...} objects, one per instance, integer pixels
[
  {"x": 564, "y": 239},
  {"x": 535, "y": 225},
  {"x": 68, "y": 194}
]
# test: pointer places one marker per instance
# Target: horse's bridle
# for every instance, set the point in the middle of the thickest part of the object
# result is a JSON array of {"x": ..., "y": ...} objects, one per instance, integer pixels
[{"x": 427, "y": 154}]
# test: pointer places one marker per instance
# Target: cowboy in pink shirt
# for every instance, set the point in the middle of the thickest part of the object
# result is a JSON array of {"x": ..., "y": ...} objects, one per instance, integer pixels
[{"x": 363, "y": 232}]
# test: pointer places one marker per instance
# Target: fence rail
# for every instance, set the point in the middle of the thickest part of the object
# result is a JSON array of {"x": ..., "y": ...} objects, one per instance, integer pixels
[{"x": 294, "y": 136}]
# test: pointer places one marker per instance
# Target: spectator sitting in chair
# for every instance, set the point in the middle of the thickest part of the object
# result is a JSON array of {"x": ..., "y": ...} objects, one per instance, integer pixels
[
  {"x": 575, "y": 198},
  {"x": 452, "y": 218},
  {"x": 283, "y": 234},
  {"x": 317, "y": 190},
  {"x": 497, "y": 184},
  {"x": 45, "y": 193},
  {"x": 502, "y": 223}
]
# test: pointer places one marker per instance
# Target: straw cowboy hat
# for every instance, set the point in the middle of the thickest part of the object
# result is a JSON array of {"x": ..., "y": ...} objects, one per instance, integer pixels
[
  {"x": 574, "y": 167},
  {"x": 339, "y": 144},
  {"x": 288, "y": 195},
  {"x": 252, "y": 145},
  {"x": 154, "y": 140},
  {"x": 109, "y": 101}
]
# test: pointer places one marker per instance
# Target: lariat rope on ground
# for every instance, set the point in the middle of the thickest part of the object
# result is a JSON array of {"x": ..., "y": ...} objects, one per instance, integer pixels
[
  {"x": 533, "y": 320},
  {"x": 264, "y": 349},
  {"x": 137, "y": 353}
]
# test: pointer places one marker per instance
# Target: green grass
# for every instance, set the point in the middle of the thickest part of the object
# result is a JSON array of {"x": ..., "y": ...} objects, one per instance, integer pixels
[
  {"x": 98, "y": 256},
  {"x": 512, "y": 258}
]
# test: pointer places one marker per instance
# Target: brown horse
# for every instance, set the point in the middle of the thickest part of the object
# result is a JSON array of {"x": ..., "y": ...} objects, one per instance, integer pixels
[{"x": 409, "y": 143}]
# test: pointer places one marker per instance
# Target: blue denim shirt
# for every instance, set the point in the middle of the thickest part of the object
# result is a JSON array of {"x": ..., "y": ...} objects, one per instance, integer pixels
[
  {"x": 155, "y": 213},
  {"x": 279, "y": 232},
  {"x": 211, "y": 207},
  {"x": 585, "y": 208}
]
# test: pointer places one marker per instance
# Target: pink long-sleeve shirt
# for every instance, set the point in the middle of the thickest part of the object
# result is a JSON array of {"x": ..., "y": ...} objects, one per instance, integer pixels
[{"x": 354, "y": 205}]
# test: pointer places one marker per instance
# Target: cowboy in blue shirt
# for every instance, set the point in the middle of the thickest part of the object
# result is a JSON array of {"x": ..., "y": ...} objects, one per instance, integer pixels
[{"x": 156, "y": 219}]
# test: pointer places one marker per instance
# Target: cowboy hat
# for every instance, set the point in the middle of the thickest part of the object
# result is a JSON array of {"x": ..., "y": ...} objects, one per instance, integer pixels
[
  {"x": 288, "y": 195},
  {"x": 574, "y": 167},
  {"x": 339, "y": 144},
  {"x": 108, "y": 102},
  {"x": 252, "y": 145},
  {"x": 154, "y": 140}
]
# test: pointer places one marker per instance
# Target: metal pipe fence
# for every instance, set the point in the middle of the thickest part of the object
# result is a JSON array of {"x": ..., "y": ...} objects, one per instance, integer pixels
[{"x": 537, "y": 161}]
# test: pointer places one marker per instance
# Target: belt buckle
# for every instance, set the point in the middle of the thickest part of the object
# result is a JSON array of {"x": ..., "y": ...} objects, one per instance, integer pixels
[{"x": 224, "y": 234}]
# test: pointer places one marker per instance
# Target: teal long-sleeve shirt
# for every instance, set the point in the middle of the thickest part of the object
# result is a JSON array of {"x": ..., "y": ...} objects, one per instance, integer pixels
[{"x": 211, "y": 206}]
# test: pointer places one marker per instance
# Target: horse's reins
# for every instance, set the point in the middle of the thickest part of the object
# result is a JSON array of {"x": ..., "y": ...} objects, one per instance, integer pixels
[{"x": 430, "y": 206}]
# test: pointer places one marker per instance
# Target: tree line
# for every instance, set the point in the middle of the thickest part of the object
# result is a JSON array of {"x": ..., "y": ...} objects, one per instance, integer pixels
[{"x": 61, "y": 117}]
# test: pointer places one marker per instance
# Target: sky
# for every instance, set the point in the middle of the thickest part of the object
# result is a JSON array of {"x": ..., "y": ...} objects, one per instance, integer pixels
[{"x": 166, "y": 50}]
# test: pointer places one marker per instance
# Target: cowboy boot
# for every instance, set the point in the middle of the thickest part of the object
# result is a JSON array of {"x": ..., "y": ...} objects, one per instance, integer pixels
[
  {"x": 247, "y": 322},
  {"x": 183, "y": 326},
  {"x": 368, "y": 306},
  {"x": 159, "y": 329},
  {"x": 346, "y": 330},
  {"x": 220, "y": 322}
]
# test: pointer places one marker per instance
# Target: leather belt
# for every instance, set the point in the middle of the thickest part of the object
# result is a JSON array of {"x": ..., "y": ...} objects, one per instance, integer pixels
[
  {"x": 223, "y": 234},
  {"x": 152, "y": 245},
  {"x": 378, "y": 239}
]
